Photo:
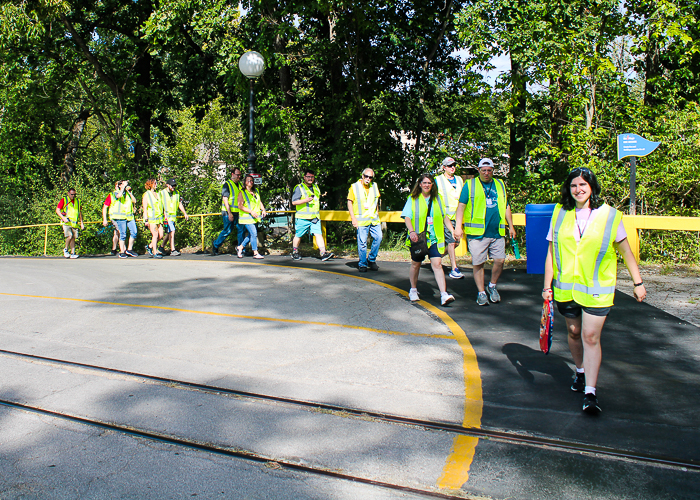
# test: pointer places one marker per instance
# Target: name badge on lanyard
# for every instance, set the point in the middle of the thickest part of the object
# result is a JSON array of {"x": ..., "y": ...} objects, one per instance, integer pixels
[
  {"x": 490, "y": 202},
  {"x": 430, "y": 221}
]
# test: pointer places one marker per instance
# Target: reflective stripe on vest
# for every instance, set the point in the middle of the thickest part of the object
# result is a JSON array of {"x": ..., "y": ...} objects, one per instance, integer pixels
[
  {"x": 585, "y": 271},
  {"x": 450, "y": 194},
  {"x": 475, "y": 224},
  {"x": 420, "y": 207},
  {"x": 170, "y": 202},
  {"x": 154, "y": 209},
  {"x": 245, "y": 217},
  {"x": 233, "y": 190},
  {"x": 367, "y": 201},
  {"x": 121, "y": 208},
  {"x": 71, "y": 211},
  {"x": 309, "y": 210}
]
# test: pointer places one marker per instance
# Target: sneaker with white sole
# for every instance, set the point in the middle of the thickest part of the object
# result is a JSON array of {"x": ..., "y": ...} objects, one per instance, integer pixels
[
  {"x": 74, "y": 256},
  {"x": 579, "y": 382},
  {"x": 482, "y": 299},
  {"x": 413, "y": 295},
  {"x": 456, "y": 274},
  {"x": 327, "y": 255},
  {"x": 66, "y": 253},
  {"x": 494, "y": 296},
  {"x": 446, "y": 299},
  {"x": 175, "y": 253},
  {"x": 590, "y": 404},
  {"x": 296, "y": 255}
]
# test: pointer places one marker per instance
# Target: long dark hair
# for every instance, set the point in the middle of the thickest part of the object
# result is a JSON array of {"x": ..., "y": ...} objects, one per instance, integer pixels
[
  {"x": 255, "y": 190},
  {"x": 416, "y": 191},
  {"x": 567, "y": 201}
]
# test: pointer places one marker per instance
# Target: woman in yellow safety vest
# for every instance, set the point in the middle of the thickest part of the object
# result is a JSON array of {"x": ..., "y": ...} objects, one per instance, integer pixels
[
  {"x": 425, "y": 210},
  {"x": 153, "y": 217},
  {"x": 581, "y": 272},
  {"x": 251, "y": 211}
]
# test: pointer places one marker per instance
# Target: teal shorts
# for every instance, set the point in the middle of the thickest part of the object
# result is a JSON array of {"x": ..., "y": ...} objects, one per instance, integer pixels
[{"x": 303, "y": 226}]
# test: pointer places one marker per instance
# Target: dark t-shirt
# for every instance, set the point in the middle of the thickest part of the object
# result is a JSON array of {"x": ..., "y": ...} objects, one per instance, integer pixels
[{"x": 493, "y": 217}]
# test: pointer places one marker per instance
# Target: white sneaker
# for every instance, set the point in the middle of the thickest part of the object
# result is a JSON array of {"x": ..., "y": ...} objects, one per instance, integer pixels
[
  {"x": 413, "y": 295},
  {"x": 74, "y": 256},
  {"x": 66, "y": 253},
  {"x": 446, "y": 298}
]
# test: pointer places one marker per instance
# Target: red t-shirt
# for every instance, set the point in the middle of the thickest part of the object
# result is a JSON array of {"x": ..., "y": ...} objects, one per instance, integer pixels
[
  {"x": 108, "y": 200},
  {"x": 60, "y": 204}
]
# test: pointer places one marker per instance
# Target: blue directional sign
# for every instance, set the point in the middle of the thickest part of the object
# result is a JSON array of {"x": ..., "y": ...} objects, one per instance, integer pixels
[{"x": 634, "y": 145}]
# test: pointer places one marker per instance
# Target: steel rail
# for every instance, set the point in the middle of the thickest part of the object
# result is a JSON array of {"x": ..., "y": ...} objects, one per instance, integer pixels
[{"x": 503, "y": 436}]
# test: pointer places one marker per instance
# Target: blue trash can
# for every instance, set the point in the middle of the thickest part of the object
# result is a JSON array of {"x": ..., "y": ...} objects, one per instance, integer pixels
[{"x": 537, "y": 219}]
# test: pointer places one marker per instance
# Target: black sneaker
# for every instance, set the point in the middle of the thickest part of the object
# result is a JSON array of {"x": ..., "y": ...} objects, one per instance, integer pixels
[
  {"x": 362, "y": 269},
  {"x": 214, "y": 251},
  {"x": 579, "y": 382},
  {"x": 295, "y": 255},
  {"x": 326, "y": 256},
  {"x": 131, "y": 253},
  {"x": 373, "y": 266},
  {"x": 590, "y": 404},
  {"x": 160, "y": 249},
  {"x": 123, "y": 256},
  {"x": 114, "y": 252}
]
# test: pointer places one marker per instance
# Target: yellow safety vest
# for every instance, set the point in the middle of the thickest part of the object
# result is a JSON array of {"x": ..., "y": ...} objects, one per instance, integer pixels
[
  {"x": 154, "y": 208},
  {"x": 420, "y": 206},
  {"x": 450, "y": 194},
  {"x": 366, "y": 203},
  {"x": 170, "y": 202},
  {"x": 585, "y": 271},
  {"x": 475, "y": 211},
  {"x": 71, "y": 211},
  {"x": 121, "y": 208},
  {"x": 252, "y": 202},
  {"x": 311, "y": 210},
  {"x": 233, "y": 190}
]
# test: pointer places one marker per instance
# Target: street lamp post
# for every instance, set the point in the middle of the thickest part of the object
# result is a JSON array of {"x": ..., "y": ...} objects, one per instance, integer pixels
[{"x": 252, "y": 66}]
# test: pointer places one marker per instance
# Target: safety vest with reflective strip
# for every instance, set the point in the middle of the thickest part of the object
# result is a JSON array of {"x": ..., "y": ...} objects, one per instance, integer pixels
[
  {"x": 121, "y": 208},
  {"x": 71, "y": 211},
  {"x": 475, "y": 211},
  {"x": 233, "y": 190},
  {"x": 309, "y": 210},
  {"x": 450, "y": 193},
  {"x": 170, "y": 202},
  {"x": 585, "y": 271},
  {"x": 154, "y": 208},
  {"x": 419, "y": 206},
  {"x": 252, "y": 202},
  {"x": 367, "y": 201}
]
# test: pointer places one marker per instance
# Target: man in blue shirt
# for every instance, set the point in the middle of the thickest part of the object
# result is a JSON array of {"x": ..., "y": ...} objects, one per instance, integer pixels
[{"x": 483, "y": 211}]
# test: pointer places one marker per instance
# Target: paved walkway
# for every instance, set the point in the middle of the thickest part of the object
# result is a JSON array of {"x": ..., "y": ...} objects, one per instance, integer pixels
[{"x": 322, "y": 332}]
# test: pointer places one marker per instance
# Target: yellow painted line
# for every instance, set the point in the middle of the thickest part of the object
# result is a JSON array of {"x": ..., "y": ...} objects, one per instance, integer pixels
[
  {"x": 457, "y": 464},
  {"x": 239, "y": 316}
]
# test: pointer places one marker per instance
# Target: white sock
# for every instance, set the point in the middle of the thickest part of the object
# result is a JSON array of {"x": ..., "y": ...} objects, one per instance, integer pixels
[
  {"x": 579, "y": 370},
  {"x": 413, "y": 290},
  {"x": 492, "y": 285},
  {"x": 589, "y": 390}
]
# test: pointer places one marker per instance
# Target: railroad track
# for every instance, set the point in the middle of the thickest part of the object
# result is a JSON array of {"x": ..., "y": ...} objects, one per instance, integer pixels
[{"x": 484, "y": 433}]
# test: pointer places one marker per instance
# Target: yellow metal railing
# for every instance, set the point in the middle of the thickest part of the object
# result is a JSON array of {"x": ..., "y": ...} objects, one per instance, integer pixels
[{"x": 633, "y": 223}]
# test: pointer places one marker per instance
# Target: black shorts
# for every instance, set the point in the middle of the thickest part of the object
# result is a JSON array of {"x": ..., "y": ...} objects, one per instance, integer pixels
[
  {"x": 433, "y": 252},
  {"x": 573, "y": 310}
]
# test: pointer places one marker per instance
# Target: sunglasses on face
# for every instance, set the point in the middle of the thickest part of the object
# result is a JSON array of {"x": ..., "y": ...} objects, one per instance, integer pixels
[{"x": 370, "y": 177}]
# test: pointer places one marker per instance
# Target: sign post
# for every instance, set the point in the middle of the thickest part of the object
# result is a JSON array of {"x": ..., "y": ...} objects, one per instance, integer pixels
[{"x": 632, "y": 146}]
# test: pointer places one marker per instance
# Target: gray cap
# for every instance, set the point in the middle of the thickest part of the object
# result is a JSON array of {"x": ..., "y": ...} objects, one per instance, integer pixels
[
  {"x": 448, "y": 161},
  {"x": 485, "y": 162}
]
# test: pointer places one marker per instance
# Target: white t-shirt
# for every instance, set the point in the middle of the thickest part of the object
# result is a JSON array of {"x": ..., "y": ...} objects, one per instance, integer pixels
[{"x": 583, "y": 215}]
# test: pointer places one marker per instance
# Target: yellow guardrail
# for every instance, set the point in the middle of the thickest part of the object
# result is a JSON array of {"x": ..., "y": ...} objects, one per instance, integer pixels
[{"x": 633, "y": 223}]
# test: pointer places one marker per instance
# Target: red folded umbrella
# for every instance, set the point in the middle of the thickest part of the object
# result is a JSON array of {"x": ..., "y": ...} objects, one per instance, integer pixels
[{"x": 546, "y": 326}]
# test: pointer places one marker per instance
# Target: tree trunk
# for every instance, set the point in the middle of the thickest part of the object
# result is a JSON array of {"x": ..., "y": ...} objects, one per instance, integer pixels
[
  {"x": 517, "y": 147},
  {"x": 72, "y": 148}
]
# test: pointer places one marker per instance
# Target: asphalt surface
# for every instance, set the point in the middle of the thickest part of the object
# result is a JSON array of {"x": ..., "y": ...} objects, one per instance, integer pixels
[{"x": 282, "y": 328}]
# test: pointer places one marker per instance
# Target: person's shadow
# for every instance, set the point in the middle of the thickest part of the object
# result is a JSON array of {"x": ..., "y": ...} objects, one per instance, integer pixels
[{"x": 527, "y": 360}]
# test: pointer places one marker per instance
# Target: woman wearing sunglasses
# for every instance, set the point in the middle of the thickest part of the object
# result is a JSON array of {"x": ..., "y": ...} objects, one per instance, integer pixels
[
  {"x": 425, "y": 211},
  {"x": 252, "y": 211},
  {"x": 153, "y": 217},
  {"x": 581, "y": 273}
]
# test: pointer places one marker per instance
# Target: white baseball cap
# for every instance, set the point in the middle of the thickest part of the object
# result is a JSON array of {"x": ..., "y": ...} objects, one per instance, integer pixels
[
  {"x": 448, "y": 161},
  {"x": 485, "y": 162}
]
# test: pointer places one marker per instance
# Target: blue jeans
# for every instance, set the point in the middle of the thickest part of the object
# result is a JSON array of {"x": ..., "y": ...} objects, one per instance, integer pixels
[
  {"x": 121, "y": 226},
  {"x": 375, "y": 231},
  {"x": 251, "y": 237},
  {"x": 228, "y": 227}
]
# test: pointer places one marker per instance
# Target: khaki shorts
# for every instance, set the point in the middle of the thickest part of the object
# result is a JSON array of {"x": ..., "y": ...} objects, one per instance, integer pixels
[
  {"x": 70, "y": 232},
  {"x": 485, "y": 248}
]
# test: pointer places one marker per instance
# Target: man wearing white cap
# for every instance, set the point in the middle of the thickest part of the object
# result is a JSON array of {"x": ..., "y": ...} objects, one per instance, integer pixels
[
  {"x": 450, "y": 186},
  {"x": 483, "y": 210}
]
